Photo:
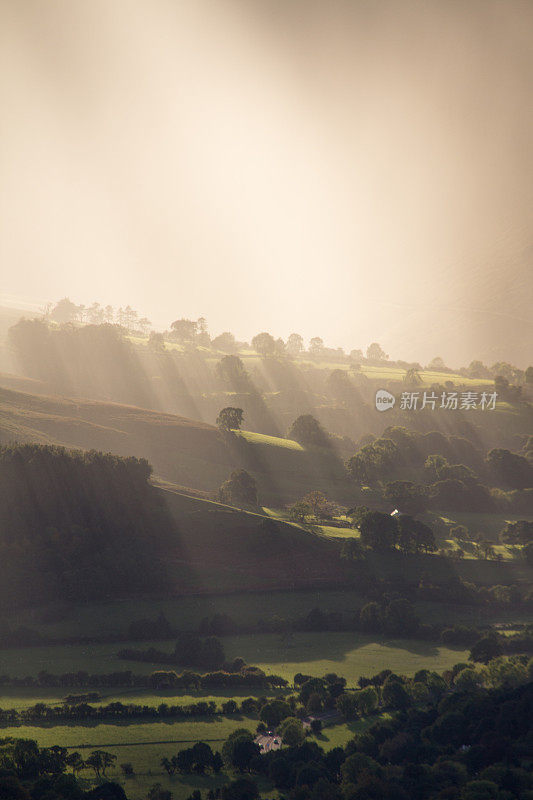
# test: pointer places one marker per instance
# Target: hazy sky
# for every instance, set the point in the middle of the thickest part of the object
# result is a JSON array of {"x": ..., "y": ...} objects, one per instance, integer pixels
[{"x": 359, "y": 170}]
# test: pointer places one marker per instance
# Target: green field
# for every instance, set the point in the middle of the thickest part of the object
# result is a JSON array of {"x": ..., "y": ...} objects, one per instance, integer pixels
[
  {"x": 349, "y": 654},
  {"x": 143, "y": 745}
]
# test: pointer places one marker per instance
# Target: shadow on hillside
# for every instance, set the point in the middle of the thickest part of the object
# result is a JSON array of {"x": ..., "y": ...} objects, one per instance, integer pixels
[
  {"x": 126, "y": 723},
  {"x": 327, "y": 646}
]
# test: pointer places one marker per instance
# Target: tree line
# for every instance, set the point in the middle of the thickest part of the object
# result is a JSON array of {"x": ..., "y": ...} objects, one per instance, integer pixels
[{"x": 76, "y": 526}]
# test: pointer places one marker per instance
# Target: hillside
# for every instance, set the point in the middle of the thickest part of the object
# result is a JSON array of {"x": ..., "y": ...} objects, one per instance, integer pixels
[
  {"x": 223, "y": 549},
  {"x": 226, "y": 549},
  {"x": 186, "y": 452}
]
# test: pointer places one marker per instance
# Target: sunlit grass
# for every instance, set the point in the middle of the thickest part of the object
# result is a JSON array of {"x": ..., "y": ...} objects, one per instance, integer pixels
[
  {"x": 348, "y": 654},
  {"x": 275, "y": 441},
  {"x": 143, "y": 745},
  {"x": 334, "y": 532}
]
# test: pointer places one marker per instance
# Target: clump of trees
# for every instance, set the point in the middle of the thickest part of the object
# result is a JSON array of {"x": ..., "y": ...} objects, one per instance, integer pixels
[
  {"x": 76, "y": 526},
  {"x": 190, "y": 650},
  {"x": 315, "y": 505},
  {"x": 385, "y": 532},
  {"x": 230, "y": 418},
  {"x": 239, "y": 490},
  {"x": 89, "y": 360},
  {"x": 307, "y": 431}
]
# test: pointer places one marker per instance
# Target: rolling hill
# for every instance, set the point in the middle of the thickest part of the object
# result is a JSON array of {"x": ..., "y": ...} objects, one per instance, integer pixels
[{"x": 186, "y": 452}]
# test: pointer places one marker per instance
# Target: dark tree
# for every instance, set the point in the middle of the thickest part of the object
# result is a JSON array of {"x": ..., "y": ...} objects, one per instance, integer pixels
[
  {"x": 232, "y": 373},
  {"x": 65, "y": 311},
  {"x": 230, "y": 418},
  {"x": 225, "y": 342},
  {"x": 307, "y": 431},
  {"x": 487, "y": 648},
  {"x": 510, "y": 469},
  {"x": 378, "y": 531},
  {"x": 414, "y": 536},
  {"x": 239, "y": 489},
  {"x": 375, "y": 352},
  {"x": 184, "y": 330},
  {"x": 266, "y": 345},
  {"x": 295, "y": 344}
]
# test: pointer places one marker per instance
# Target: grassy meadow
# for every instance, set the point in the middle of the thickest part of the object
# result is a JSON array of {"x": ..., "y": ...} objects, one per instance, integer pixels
[{"x": 349, "y": 654}]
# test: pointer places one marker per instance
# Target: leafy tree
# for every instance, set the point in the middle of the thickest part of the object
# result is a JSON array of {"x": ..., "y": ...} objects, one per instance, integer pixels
[
  {"x": 375, "y": 352},
  {"x": 399, "y": 617},
  {"x": 374, "y": 460},
  {"x": 239, "y": 750},
  {"x": 378, "y": 531},
  {"x": 510, "y": 469},
  {"x": 316, "y": 346},
  {"x": 412, "y": 377},
  {"x": 291, "y": 731},
  {"x": 266, "y": 345},
  {"x": 477, "y": 369},
  {"x": 231, "y": 371},
  {"x": 357, "y": 765},
  {"x": 307, "y": 431},
  {"x": 295, "y": 344},
  {"x": 184, "y": 330},
  {"x": 273, "y": 712},
  {"x": 320, "y": 506},
  {"x": 65, "y": 311},
  {"x": 202, "y": 757},
  {"x": 480, "y": 790},
  {"x": 485, "y": 649},
  {"x": 356, "y": 358},
  {"x": 347, "y": 705},
  {"x": 75, "y": 762},
  {"x": 529, "y": 375},
  {"x": 468, "y": 680},
  {"x": 367, "y": 700},
  {"x": 352, "y": 550},
  {"x": 414, "y": 536},
  {"x": 230, "y": 418},
  {"x": 340, "y": 387},
  {"x": 394, "y": 693},
  {"x": 434, "y": 466},
  {"x": 437, "y": 365},
  {"x": 99, "y": 761},
  {"x": 225, "y": 342},
  {"x": 239, "y": 489},
  {"x": 408, "y": 496},
  {"x": 519, "y": 532},
  {"x": 184, "y": 761},
  {"x": 299, "y": 511}
]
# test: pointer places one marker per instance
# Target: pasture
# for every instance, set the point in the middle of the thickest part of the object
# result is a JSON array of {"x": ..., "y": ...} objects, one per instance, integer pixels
[
  {"x": 143, "y": 745},
  {"x": 349, "y": 654}
]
